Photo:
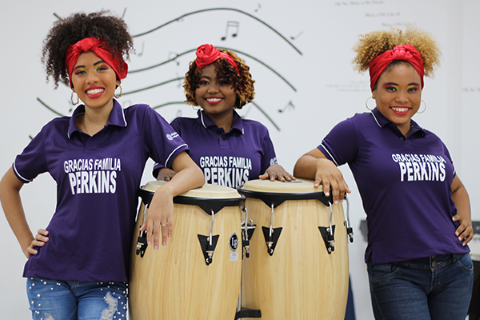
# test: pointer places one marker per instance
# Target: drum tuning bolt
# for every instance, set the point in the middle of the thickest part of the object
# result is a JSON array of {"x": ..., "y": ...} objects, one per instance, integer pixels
[
  {"x": 142, "y": 238},
  {"x": 347, "y": 222},
  {"x": 247, "y": 232},
  {"x": 209, "y": 243},
  {"x": 328, "y": 234},
  {"x": 271, "y": 237}
]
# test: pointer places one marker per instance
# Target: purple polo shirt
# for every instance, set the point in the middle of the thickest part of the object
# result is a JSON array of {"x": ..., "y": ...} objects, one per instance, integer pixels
[
  {"x": 226, "y": 158},
  {"x": 97, "y": 180},
  {"x": 404, "y": 183}
]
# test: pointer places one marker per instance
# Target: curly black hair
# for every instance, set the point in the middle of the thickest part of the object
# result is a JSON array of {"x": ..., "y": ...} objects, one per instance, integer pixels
[
  {"x": 65, "y": 32},
  {"x": 242, "y": 81}
]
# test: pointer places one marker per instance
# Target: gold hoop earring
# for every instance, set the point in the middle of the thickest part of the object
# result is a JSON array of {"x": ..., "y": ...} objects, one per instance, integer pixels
[
  {"x": 366, "y": 105},
  {"x": 423, "y": 108},
  {"x": 120, "y": 94},
  {"x": 71, "y": 99}
]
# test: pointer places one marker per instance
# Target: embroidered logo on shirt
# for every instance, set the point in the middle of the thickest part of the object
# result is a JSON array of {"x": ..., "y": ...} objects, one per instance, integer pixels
[{"x": 172, "y": 136}]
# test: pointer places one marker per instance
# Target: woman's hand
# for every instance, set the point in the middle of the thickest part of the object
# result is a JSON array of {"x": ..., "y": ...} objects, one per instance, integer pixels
[
  {"x": 315, "y": 166},
  {"x": 276, "y": 171},
  {"x": 165, "y": 174},
  {"x": 40, "y": 239},
  {"x": 331, "y": 178},
  {"x": 464, "y": 231},
  {"x": 160, "y": 213},
  {"x": 159, "y": 217}
]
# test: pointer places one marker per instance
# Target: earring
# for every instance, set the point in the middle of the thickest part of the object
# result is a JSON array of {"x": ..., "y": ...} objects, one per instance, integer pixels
[
  {"x": 366, "y": 104},
  {"x": 71, "y": 99},
  {"x": 424, "y": 105},
  {"x": 120, "y": 94}
]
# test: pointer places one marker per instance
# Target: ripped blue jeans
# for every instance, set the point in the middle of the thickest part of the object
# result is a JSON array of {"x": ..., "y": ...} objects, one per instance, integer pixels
[{"x": 72, "y": 300}]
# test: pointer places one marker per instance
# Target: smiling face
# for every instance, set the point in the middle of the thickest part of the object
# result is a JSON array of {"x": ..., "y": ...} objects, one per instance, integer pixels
[
  {"x": 398, "y": 95},
  {"x": 94, "y": 81},
  {"x": 215, "y": 95}
]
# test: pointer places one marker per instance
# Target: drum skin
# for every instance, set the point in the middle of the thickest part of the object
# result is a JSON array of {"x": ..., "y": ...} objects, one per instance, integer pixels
[
  {"x": 174, "y": 282},
  {"x": 301, "y": 280}
]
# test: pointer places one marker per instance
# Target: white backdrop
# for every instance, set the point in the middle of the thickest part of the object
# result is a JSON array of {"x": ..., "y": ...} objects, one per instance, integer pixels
[{"x": 300, "y": 55}]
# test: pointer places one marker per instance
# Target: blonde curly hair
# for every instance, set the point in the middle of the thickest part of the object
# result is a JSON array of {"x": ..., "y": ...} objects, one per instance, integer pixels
[{"x": 373, "y": 44}]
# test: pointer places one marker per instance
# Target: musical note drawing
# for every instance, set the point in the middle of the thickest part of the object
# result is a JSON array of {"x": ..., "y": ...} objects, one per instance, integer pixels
[
  {"x": 143, "y": 47},
  {"x": 259, "y": 7},
  {"x": 175, "y": 56},
  {"x": 298, "y": 35},
  {"x": 288, "y": 106},
  {"x": 235, "y": 26}
]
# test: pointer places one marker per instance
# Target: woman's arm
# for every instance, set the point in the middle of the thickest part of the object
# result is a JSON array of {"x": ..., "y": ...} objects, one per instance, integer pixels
[
  {"x": 160, "y": 213},
  {"x": 315, "y": 166},
  {"x": 10, "y": 187},
  {"x": 464, "y": 231}
]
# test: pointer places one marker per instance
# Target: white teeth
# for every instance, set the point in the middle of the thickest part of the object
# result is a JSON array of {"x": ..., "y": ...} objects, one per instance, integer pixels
[
  {"x": 214, "y": 99},
  {"x": 94, "y": 91},
  {"x": 400, "y": 109}
]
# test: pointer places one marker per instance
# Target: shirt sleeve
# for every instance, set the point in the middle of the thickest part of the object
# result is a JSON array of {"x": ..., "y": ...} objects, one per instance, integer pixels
[
  {"x": 269, "y": 157},
  {"x": 32, "y": 161},
  {"x": 158, "y": 166},
  {"x": 340, "y": 144},
  {"x": 163, "y": 142}
]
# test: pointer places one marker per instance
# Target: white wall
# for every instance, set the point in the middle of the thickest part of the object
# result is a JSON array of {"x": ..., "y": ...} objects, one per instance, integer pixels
[{"x": 327, "y": 88}]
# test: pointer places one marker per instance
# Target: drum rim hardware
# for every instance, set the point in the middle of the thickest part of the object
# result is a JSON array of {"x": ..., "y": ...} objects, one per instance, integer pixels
[
  {"x": 248, "y": 228},
  {"x": 209, "y": 205}
]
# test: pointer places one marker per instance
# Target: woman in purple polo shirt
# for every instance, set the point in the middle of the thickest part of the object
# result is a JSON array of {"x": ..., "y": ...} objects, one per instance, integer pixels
[
  {"x": 418, "y": 211},
  {"x": 96, "y": 156},
  {"x": 230, "y": 150}
]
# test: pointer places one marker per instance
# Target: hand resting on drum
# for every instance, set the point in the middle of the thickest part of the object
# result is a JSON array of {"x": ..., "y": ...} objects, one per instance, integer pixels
[
  {"x": 165, "y": 174},
  {"x": 160, "y": 214},
  {"x": 315, "y": 166},
  {"x": 276, "y": 172}
]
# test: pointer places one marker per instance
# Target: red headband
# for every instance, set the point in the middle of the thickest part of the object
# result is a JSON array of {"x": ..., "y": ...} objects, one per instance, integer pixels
[
  {"x": 206, "y": 54},
  {"x": 96, "y": 45},
  {"x": 406, "y": 53}
]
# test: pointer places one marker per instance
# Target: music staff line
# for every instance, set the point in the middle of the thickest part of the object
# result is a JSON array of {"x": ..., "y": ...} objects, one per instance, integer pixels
[
  {"x": 218, "y": 9},
  {"x": 221, "y": 47}
]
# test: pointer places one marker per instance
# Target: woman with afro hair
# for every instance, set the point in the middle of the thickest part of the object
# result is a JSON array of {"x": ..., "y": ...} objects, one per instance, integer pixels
[
  {"x": 77, "y": 268},
  {"x": 230, "y": 150},
  {"x": 418, "y": 211}
]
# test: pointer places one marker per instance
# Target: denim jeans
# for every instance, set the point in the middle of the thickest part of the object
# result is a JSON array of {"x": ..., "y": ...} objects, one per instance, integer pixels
[
  {"x": 438, "y": 287},
  {"x": 69, "y": 300}
]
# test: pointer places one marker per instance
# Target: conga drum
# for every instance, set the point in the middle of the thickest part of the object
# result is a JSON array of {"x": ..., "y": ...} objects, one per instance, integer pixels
[
  {"x": 197, "y": 274},
  {"x": 298, "y": 264}
]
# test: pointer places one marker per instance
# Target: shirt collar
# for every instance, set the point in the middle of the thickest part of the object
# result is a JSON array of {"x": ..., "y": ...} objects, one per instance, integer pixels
[
  {"x": 382, "y": 122},
  {"x": 206, "y": 122},
  {"x": 117, "y": 117}
]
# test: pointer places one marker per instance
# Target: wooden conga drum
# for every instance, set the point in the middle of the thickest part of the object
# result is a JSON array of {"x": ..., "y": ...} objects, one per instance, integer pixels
[
  {"x": 298, "y": 264},
  {"x": 181, "y": 281}
]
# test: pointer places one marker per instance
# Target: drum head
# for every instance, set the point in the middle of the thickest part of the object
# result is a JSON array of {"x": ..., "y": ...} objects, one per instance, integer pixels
[
  {"x": 294, "y": 186},
  {"x": 206, "y": 191}
]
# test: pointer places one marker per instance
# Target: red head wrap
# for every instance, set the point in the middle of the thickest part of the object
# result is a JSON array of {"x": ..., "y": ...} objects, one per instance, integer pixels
[
  {"x": 406, "y": 53},
  {"x": 206, "y": 54},
  {"x": 94, "y": 44}
]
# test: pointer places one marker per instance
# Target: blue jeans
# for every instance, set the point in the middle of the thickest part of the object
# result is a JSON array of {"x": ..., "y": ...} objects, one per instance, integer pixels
[
  {"x": 69, "y": 300},
  {"x": 438, "y": 287}
]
